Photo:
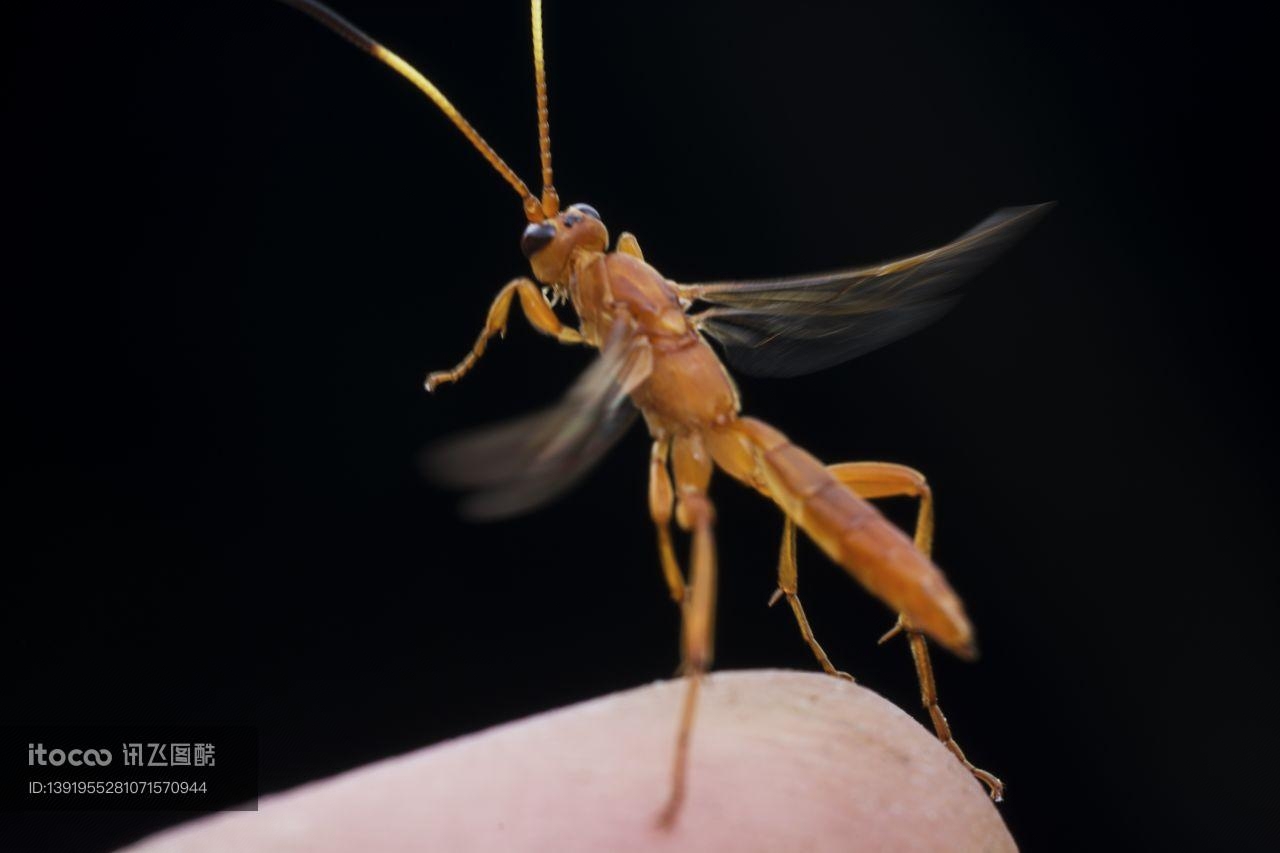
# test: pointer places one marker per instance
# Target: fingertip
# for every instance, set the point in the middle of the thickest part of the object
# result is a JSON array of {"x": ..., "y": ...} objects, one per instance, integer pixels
[{"x": 842, "y": 762}]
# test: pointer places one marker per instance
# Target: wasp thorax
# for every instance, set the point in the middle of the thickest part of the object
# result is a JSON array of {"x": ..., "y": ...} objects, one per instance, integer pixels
[{"x": 551, "y": 244}]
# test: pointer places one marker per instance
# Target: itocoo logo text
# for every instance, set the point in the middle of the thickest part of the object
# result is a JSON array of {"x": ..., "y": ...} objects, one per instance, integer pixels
[{"x": 37, "y": 754}]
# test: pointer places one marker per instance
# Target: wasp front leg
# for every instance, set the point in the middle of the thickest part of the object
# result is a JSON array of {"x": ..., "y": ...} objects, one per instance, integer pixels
[{"x": 536, "y": 309}]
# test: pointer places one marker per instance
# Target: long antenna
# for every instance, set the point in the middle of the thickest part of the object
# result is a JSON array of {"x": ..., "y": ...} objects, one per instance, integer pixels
[
  {"x": 550, "y": 199},
  {"x": 331, "y": 19}
]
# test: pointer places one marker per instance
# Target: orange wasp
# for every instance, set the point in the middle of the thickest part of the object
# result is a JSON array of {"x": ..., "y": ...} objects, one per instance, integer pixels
[{"x": 655, "y": 361}]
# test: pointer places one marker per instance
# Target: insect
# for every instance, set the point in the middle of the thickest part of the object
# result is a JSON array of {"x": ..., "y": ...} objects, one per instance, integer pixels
[{"x": 655, "y": 361}]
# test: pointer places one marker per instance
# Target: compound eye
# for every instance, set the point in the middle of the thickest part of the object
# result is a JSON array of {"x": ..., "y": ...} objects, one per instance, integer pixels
[
  {"x": 588, "y": 210},
  {"x": 535, "y": 237}
]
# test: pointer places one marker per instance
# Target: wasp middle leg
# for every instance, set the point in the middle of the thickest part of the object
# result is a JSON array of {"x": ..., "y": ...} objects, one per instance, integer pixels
[
  {"x": 535, "y": 307},
  {"x": 695, "y": 514},
  {"x": 660, "y": 501}
]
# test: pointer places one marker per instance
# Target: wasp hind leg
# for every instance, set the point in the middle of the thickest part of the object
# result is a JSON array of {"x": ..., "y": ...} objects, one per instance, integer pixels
[
  {"x": 882, "y": 480},
  {"x": 787, "y": 579}
]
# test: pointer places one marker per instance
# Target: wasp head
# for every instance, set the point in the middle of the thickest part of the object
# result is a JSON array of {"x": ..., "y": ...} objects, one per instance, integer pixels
[{"x": 550, "y": 244}]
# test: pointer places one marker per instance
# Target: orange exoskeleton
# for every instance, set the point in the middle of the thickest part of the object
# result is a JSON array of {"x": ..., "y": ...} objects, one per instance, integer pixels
[{"x": 654, "y": 360}]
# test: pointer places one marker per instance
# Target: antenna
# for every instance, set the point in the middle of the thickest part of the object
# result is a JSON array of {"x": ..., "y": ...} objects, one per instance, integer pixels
[
  {"x": 532, "y": 208},
  {"x": 550, "y": 199}
]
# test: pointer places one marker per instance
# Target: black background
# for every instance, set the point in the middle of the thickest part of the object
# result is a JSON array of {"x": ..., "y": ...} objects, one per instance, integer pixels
[{"x": 236, "y": 245}]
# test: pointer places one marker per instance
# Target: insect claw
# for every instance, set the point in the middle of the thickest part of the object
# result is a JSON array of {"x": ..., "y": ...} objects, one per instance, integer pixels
[
  {"x": 994, "y": 786},
  {"x": 667, "y": 817},
  {"x": 437, "y": 378},
  {"x": 776, "y": 597}
]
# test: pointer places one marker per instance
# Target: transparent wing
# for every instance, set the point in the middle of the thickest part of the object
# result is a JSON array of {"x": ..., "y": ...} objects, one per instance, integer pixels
[
  {"x": 792, "y": 326},
  {"x": 514, "y": 466}
]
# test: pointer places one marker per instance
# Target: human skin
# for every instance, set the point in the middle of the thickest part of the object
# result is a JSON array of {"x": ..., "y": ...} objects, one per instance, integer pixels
[{"x": 780, "y": 761}]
